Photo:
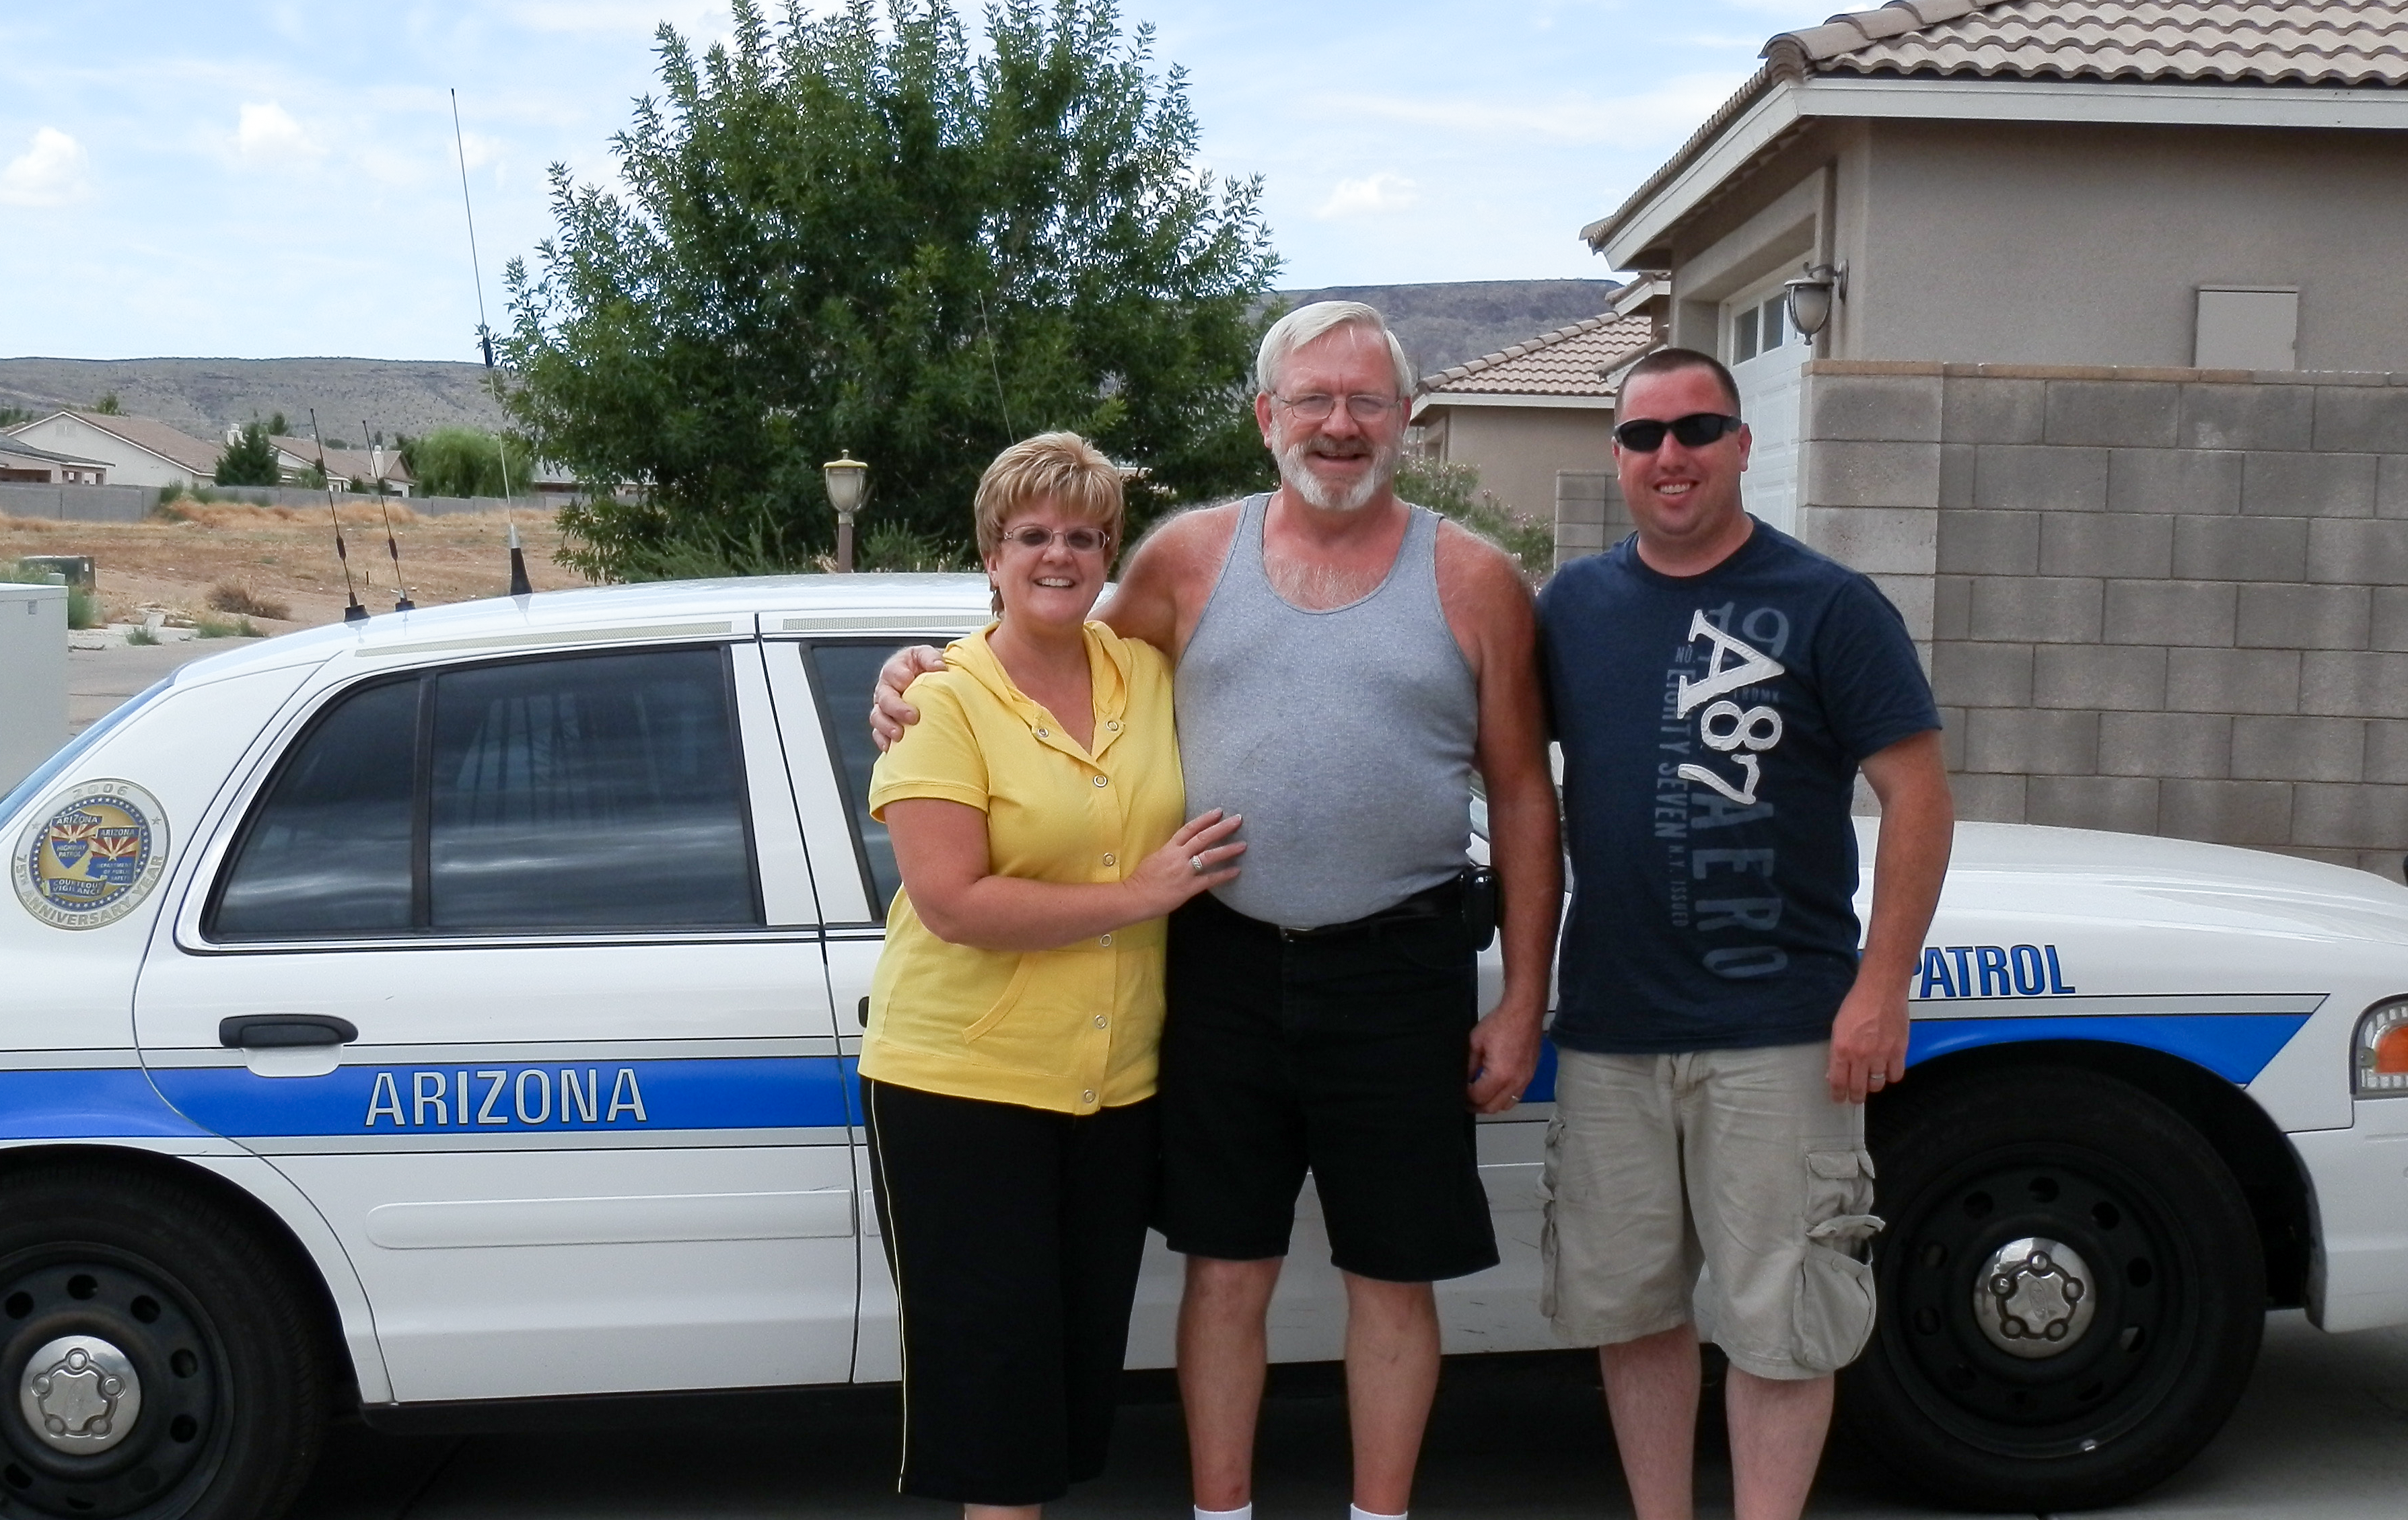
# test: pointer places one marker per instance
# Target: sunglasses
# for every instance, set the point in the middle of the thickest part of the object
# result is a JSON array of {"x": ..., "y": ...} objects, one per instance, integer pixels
[
  {"x": 1645, "y": 435},
  {"x": 1080, "y": 540}
]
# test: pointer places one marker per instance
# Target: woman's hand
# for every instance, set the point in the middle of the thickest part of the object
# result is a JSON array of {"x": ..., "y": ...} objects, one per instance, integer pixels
[{"x": 1194, "y": 860}]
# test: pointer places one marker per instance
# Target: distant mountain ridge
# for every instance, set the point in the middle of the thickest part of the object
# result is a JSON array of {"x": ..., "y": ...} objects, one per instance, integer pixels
[{"x": 1440, "y": 324}]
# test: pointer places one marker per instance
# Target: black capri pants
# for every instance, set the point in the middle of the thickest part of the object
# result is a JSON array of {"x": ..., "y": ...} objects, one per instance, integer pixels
[{"x": 1014, "y": 1235}]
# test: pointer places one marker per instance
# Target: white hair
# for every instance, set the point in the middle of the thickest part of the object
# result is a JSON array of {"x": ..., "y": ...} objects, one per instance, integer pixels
[{"x": 1306, "y": 323}]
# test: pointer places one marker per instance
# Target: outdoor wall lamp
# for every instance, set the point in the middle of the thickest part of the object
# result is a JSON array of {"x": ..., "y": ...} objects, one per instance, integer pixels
[
  {"x": 1811, "y": 295},
  {"x": 847, "y": 479}
]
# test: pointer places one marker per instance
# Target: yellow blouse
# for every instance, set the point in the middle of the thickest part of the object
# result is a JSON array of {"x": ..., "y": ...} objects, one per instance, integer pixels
[{"x": 1073, "y": 1029}]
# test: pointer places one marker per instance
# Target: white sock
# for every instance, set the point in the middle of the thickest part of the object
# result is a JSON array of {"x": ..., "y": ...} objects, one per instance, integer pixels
[
  {"x": 1357, "y": 1512},
  {"x": 1243, "y": 1511}
]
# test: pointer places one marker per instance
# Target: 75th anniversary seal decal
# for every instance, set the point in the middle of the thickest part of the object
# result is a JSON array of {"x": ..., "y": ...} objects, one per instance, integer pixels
[{"x": 91, "y": 854}]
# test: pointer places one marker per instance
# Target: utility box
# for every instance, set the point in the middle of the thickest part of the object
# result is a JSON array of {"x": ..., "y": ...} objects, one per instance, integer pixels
[{"x": 32, "y": 678}]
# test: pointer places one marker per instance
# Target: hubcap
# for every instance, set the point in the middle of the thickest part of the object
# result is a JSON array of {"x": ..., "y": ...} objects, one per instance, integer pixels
[
  {"x": 79, "y": 1394},
  {"x": 2034, "y": 1298}
]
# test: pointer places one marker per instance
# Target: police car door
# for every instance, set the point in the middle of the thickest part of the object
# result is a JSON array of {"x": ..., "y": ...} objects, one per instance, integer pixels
[{"x": 512, "y": 964}]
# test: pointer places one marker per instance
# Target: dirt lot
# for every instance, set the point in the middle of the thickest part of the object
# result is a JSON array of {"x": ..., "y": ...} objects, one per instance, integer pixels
[{"x": 283, "y": 559}]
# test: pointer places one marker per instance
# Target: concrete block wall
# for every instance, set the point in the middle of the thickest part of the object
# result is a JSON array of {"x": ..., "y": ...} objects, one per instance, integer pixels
[
  {"x": 1589, "y": 513},
  {"x": 2163, "y": 601}
]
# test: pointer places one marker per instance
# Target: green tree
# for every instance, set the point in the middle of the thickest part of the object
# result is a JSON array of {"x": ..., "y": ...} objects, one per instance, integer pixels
[
  {"x": 861, "y": 234},
  {"x": 1453, "y": 489},
  {"x": 250, "y": 459},
  {"x": 465, "y": 462},
  {"x": 106, "y": 406}
]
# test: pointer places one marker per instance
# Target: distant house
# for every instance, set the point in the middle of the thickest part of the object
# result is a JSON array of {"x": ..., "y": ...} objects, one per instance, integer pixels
[
  {"x": 1523, "y": 413},
  {"x": 347, "y": 469},
  {"x": 133, "y": 450},
  {"x": 22, "y": 464}
]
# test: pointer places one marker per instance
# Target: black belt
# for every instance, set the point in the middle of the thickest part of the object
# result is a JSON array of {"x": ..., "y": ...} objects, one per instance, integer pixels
[{"x": 1442, "y": 901}]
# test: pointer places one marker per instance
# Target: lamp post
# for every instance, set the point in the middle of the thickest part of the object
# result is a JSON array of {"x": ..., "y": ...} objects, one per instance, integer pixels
[{"x": 847, "y": 479}]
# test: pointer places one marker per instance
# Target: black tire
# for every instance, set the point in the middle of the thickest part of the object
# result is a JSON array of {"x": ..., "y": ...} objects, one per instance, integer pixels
[
  {"x": 2171, "y": 1269},
  {"x": 230, "y": 1366}
]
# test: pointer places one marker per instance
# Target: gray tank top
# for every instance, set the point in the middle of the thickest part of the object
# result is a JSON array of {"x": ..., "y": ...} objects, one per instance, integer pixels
[{"x": 1345, "y": 737}]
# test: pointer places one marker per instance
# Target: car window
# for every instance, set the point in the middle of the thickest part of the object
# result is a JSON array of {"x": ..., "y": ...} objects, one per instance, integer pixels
[
  {"x": 581, "y": 792},
  {"x": 592, "y": 793},
  {"x": 327, "y": 848},
  {"x": 845, "y": 675}
]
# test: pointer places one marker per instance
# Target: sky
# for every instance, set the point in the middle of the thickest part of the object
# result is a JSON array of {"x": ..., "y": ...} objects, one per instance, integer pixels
[{"x": 252, "y": 180}]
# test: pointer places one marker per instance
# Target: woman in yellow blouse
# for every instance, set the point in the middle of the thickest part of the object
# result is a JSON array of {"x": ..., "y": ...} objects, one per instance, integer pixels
[{"x": 1008, "y": 1071}]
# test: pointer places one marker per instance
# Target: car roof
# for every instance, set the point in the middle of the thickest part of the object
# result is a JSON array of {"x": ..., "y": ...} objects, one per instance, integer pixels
[{"x": 823, "y": 603}]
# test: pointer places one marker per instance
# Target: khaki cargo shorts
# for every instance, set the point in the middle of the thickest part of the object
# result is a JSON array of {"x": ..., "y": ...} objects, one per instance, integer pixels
[{"x": 1734, "y": 1161}]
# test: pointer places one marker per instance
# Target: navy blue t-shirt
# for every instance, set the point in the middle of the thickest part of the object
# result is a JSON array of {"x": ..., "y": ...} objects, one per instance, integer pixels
[{"x": 1711, "y": 726}]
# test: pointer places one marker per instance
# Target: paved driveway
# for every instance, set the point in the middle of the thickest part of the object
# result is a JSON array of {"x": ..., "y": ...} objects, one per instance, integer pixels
[{"x": 2323, "y": 1434}]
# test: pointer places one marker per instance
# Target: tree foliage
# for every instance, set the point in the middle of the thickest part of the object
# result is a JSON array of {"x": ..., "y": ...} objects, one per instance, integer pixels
[
  {"x": 858, "y": 234},
  {"x": 1453, "y": 489},
  {"x": 467, "y": 461},
  {"x": 250, "y": 459}
]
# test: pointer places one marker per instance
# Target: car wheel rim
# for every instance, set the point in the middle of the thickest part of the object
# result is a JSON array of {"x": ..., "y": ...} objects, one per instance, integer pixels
[
  {"x": 2038, "y": 1302},
  {"x": 119, "y": 1385}
]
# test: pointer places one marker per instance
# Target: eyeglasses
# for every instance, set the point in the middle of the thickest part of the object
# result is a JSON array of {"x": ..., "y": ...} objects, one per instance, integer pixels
[
  {"x": 1081, "y": 541},
  {"x": 1645, "y": 435},
  {"x": 1317, "y": 406}
]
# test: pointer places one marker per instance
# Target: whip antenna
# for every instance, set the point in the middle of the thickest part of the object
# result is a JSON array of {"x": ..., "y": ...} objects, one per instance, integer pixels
[
  {"x": 355, "y": 612},
  {"x": 375, "y": 441},
  {"x": 520, "y": 586}
]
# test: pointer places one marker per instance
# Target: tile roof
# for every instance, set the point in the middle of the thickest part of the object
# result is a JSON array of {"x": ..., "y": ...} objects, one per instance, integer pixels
[
  {"x": 16, "y": 450},
  {"x": 2323, "y": 42},
  {"x": 2277, "y": 42},
  {"x": 1570, "y": 361}
]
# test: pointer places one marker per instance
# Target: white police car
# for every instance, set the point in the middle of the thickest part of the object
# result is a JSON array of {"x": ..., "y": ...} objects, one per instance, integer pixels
[{"x": 457, "y": 1010}]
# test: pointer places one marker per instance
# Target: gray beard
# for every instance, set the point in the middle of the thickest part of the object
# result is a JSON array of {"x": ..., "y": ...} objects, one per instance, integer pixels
[{"x": 1297, "y": 477}]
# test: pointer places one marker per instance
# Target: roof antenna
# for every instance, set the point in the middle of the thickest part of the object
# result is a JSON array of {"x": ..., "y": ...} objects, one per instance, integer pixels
[
  {"x": 376, "y": 461},
  {"x": 355, "y": 612},
  {"x": 520, "y": 586}
]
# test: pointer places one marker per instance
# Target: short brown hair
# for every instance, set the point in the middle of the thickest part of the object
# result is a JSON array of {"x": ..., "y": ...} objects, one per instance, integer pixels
[
  {"x": 1666, "y": 361},
  {"x": 1062, "y": 466}
]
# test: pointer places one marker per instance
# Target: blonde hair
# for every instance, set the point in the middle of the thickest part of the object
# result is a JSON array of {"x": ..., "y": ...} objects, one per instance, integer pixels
[
  {"x": 1063, "y": 467},
  {"x": 1306, "y": 323}
]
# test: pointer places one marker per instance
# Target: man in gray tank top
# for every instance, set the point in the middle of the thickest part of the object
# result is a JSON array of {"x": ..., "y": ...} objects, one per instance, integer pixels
[{"x": 1345, "y": 663}]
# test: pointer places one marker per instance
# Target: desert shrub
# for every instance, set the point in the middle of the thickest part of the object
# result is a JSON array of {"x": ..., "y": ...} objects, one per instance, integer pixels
[
  {"x": 230, "y": 597},
  {"x": 1453, "y": 489},
  {"x": 206, "y": 626}
]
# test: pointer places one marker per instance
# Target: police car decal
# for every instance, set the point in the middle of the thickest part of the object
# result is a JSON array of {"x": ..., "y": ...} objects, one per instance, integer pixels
[
  {"x": 91, "y": 854},
  {"x": 466, "y": 1099}
]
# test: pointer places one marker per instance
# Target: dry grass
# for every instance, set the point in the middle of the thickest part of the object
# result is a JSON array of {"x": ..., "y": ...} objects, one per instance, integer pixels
[
  {"x": 282, "y": 558},
  {"x": 229, "y": 597}
]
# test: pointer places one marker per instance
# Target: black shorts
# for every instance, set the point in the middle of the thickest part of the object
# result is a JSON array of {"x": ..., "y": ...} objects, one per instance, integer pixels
[
  {"x": 1343, "y": 1055},
  {"x": 1014, "y": 1235}
]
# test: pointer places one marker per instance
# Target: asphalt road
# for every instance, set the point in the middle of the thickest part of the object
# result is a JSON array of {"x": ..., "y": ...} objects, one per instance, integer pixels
[{"x": 2318, "y": 1437}]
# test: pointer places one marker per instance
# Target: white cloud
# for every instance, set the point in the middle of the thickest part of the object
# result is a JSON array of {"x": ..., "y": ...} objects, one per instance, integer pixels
[
  {"x": 48, "y": 173},
  {"x": 1385, "y": 190},
  {"x": 708, "y": 18},
  {"x": 268, "y": 135},
  {"x": 480, "y": 148}
]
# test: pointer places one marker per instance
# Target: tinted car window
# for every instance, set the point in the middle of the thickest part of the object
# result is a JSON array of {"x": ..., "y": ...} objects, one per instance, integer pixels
[
  {"x": 846, "y": 675},
  {"x": 327, "y": 852},
  {"x": 596, "y": 792}
]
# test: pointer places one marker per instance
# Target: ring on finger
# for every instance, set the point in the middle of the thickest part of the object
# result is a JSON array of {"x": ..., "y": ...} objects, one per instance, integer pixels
[{"x": 1195, "y": 863}]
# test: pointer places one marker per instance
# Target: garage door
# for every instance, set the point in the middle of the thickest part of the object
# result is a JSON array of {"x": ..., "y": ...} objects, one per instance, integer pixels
[{"x": 1766, "y": 354}]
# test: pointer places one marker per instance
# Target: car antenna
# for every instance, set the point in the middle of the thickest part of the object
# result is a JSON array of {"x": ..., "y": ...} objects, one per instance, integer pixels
[
  {"x": 355, "y": 612},
  {"x": 520, "y": 586},
  {"x": 401, "y": 602}
]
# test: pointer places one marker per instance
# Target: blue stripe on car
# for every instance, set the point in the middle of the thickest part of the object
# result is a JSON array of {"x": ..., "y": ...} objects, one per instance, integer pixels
[
  {"x": 85, "y": 1105},
  {"x": 2234, "y": 1046}
]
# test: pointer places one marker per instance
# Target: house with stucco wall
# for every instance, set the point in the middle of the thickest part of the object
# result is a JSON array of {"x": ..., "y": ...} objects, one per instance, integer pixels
[
  {"x": 2104, "y": 379},
  {"x": 136, "y": 451},
  {"x": 1521, "y": 415}
]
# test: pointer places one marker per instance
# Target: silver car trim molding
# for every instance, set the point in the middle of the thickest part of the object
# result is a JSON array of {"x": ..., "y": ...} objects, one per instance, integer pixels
[
  {"x": 2164, "y": 1005},
  {"x": 814, "y": 1213}
]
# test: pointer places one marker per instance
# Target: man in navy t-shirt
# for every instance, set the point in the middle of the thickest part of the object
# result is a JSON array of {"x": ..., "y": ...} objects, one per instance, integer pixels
[{"x": 1716, "y": 686}]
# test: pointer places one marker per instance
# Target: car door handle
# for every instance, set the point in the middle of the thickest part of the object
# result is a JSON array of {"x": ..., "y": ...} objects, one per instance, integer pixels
[{"x": 279, "y": 1031}]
